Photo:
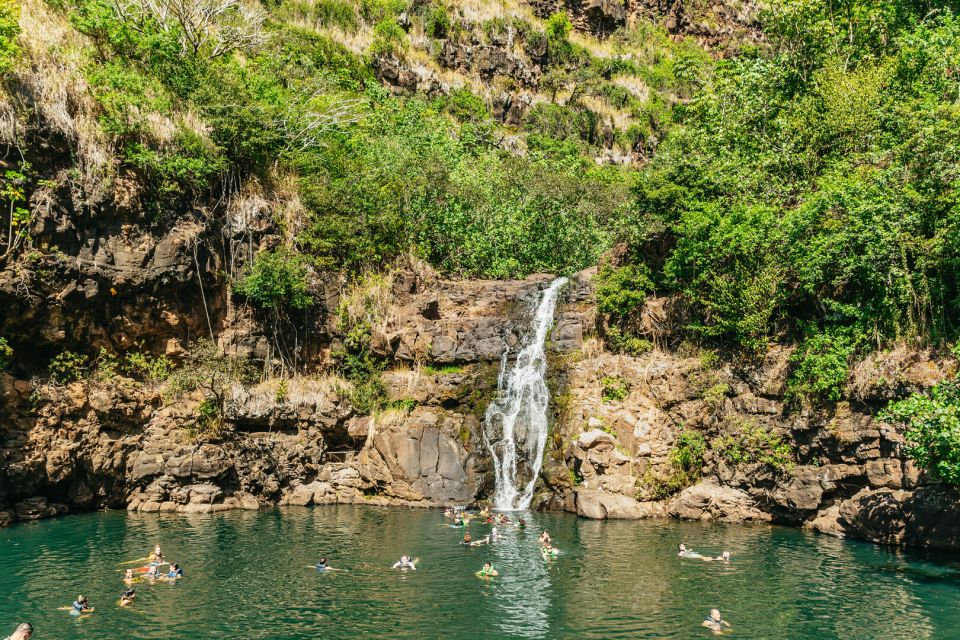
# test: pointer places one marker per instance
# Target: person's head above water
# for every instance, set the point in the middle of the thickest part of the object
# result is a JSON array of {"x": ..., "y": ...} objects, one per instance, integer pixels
[
  {"x": 486, "y": 565},
  {"x": 681, "y": 547},
  {"x": 725, "y": 555},
  {"x": 715, "y": 615},
  {"x": 322, "y": 561},
  {"x": 23, "y": 631}
]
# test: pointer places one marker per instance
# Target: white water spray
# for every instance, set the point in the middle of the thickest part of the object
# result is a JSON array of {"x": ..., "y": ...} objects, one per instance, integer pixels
[{"x": 515, "y": 425}]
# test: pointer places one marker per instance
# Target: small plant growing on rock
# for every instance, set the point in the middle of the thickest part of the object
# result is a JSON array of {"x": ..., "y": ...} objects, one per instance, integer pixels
[
  {"x": 147, "y": 367},
  {"x": 6, "y": 353},
  {"x": 715, "y": 395},
  {"x": 751, "y": 444},
  {"x": 68, "y": 367},
  {"x": 615, "y": 388}
]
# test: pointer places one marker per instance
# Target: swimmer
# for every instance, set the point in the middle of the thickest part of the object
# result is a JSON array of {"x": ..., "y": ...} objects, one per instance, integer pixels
[
  {"x": 153, "y": 572},
  {"x": 466, "y": 538},
  {"x": 22, "y": 632},
  {"x": 723, "y": 557},
  {"x": 683, "y": 552},
  {"x": 522, "y": 524},
  {"x": 405, "y": 563},
  {"x": 128, "y": 576},
  {"x": 549, "y": 551},
  {"x": 128, "y": 597},
  {"x": 488, "y": 570},
  {"x": 544, "y": 539},
  {"x": 714, "y": 622},
  {"x": 494, "y": 534},
  {"x": 80, "y": 605},
  {"x": 483, "y": 540},
  {"x": 322, "y": 565},
  {"x": 175, "y": 572}
]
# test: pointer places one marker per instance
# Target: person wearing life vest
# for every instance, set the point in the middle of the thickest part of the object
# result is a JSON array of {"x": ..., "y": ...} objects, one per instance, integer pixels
[
  {"x": 488, "y": 570},
  {"x": 80, "y": 604},
  {"x": 128, "y": 597},
  {"x": 714, "y": 622}
]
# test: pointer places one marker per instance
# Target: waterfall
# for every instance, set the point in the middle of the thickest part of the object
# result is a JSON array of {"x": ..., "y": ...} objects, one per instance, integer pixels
[{"x": 515, "y": 425}]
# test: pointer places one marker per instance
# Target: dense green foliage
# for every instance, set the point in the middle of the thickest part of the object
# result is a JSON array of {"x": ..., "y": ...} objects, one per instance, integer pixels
[
  {"x": 9, "y": 28},
  {"x": 276, "y": 280},
  {"x": 933, "y": 428},
  {"x": 803, "y": 190}
]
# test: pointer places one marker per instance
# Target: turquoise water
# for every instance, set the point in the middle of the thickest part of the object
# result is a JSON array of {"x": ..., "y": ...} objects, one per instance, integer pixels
[{"x": 246, "y": 577}]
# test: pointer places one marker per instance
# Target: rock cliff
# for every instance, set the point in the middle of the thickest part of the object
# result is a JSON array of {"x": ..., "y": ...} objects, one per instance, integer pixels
[{"x": 617, "y": 423}]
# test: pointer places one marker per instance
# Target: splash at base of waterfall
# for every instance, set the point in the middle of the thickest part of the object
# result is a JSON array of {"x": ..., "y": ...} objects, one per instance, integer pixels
[{"x": 515, "y": 425}]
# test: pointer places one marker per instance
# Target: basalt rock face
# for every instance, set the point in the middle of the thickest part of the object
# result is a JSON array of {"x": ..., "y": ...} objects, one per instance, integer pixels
[
  {"x": 118, "y": 444},
  {"x": 619, "y": 419}
]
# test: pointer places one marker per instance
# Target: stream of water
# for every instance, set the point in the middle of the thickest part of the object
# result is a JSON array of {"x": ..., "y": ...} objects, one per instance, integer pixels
[
  {"x": 515, "y": 425},
  {"x": 247, "y": 576}
]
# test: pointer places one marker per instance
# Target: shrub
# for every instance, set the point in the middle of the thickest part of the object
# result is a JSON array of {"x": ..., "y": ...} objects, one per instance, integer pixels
[
  {"x": 686, "y": 458},
  {"x": 621, "y": 342},
  {"x": 6, "y": 353},
  {"x": 146, "y": 366},
  {"x": 622, "y": 291},
  {"x": 276, "y": 281},
  {"x": 754, "y": 444},
  {"x": 615, "y": 388},
  {"x": 821, "y": 366},
  {"x": 437, "y": 21},
  {"x": 932, "y": 421},
  {"x": 68, "y": 367},
  {"x": 9, "y": 29},
  {"x": 388, "y": 38}
]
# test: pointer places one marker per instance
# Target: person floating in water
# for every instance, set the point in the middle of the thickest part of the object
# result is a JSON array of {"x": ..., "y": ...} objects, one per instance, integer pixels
[
  {"x": 522, "y": 524},
  {"x": 405, "y": 563},
  {"x": 467, "y": 539},
  {"x": 22, "y": 632},
  {"x": 155, "y": 556},
  {"x": 714, "y": 622},
  {"x": 544, "y": 539},
  {"x": 723, "y": 557},
  {"x": 128, "y": 597},
  {"x": 175, "y": 572},
  {"x": 153, "y": 572},
  {"x": 683, "y": 552},
  {"x": 128, "y": 576},
  {"x": 488, "y": 570},
  {"x": 323, "y": 566},
  {"x": 80, "y": 605}
]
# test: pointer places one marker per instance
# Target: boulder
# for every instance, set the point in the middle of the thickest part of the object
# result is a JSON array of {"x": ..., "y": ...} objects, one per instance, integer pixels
[
  {"x": 711, "y": 501},
  {"x": 34, "y": 509},
  {"x": 599, "y": 505}
]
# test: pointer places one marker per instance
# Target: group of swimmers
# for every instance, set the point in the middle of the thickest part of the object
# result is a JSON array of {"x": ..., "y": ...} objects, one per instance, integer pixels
[
  {"x": 151, "y": 572},
  {"x": 714, "y": 621}
]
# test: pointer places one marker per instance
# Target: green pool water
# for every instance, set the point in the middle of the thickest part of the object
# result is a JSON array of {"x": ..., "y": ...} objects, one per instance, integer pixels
[{"x": 247, "y": 577}]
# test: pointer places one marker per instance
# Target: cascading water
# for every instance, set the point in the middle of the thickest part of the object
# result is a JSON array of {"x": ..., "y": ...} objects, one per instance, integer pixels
[{"x": 515, "y": 425}]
